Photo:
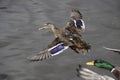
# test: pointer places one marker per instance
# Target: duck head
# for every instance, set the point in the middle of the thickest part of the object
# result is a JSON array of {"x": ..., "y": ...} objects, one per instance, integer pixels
[
  {"x": 46, "y": 26},
  {"x": 101, "y": 64}
]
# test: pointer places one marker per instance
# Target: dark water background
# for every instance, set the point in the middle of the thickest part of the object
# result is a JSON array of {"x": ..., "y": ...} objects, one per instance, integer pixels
[{"x": 20, "y": 38}]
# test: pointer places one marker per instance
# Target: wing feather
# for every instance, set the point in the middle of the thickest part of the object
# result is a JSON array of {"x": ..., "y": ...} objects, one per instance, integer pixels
[
  {"x": 40, "y": 56},
  {"x": 55, "y": 50},
  {"x": 111, "y": 49},
  {"x": 75, "y": 14}
]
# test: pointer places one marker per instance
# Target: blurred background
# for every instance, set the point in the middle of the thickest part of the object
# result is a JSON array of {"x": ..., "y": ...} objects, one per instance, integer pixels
[{"x": 20, "y": 37}]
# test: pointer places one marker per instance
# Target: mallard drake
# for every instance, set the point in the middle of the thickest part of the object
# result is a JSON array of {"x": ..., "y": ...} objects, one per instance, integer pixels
[
  {"x": 76, "y": 18},
  {"x": 106, "y": 65},
  {"x": 88, "y": 74},
  {"x": 63, "y": 40},
  {"x": 111, "y": 49}
]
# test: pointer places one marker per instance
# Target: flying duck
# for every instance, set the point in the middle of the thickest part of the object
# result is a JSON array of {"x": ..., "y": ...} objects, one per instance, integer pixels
[
  {"x": 63, "y": 40},
  {"x": 106, "y": 65},
  {"x": 88, "y": 74}
]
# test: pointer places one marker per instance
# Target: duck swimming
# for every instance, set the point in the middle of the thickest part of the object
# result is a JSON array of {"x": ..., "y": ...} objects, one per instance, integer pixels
[
  {"x": 106, "y": 65},
  {"x": 63, "y": 40},
  {"x": 88, "y": 74}
]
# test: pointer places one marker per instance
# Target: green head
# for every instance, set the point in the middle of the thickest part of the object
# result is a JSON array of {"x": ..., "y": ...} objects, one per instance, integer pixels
[{"x": 101, "y": 64}]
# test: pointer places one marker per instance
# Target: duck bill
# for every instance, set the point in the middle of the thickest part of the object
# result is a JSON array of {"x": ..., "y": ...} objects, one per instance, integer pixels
[
  {"x": 41, "y": 28},
  {"x": 90, "y": 63}
]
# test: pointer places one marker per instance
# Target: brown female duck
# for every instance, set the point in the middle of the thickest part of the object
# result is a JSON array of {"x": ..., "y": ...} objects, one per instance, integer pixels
[{"x": 63, "y": 40}]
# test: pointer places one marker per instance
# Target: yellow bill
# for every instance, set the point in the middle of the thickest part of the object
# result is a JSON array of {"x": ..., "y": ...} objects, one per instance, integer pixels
[{"x": 91, "y": 63}]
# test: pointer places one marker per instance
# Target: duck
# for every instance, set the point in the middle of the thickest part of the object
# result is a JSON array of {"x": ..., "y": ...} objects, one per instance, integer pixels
[
  {"x": 63, "y": 40},
  {"x": 88, "y": 74},
  {"x": 112, "y": 49},
  {"x": 105, "y": 65},
  {"x": 76, "y": 20},
  {"x": 67, "y": 37}
]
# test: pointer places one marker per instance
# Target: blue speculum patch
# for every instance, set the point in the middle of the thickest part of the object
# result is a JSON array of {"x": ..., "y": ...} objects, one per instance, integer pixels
[
  {"x": 79, "y": 23},
  {"x": 57, "y": 48}
]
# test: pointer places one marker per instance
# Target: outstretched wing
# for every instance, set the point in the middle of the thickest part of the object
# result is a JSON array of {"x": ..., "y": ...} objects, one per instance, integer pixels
[
  {"x": 54, "y": 42},
  {"x": 51, "y": 51},
  {"x": 111, "y": 49},
  {"x": 88, "y": 74},
  {"x": 81, "y": 44},
  {"x": 75, "y": 14},
  {"x": 76, "y": 20}
]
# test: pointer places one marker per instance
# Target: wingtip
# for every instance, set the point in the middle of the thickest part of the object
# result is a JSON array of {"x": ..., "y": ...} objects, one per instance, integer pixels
[
  {"x": 34, "y": 58},
  {"x": 104, "y": 47}
]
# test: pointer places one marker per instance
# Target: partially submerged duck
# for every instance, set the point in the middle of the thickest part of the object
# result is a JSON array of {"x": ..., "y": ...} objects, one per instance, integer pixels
[
  {"x": 106, "y": 65},
  {"x": 63, "y": 40},
  {"x": 88, "y": 74}
]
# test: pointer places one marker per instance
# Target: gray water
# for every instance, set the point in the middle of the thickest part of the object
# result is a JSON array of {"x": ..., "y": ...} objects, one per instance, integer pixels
[{"x": 20, "y": 37}]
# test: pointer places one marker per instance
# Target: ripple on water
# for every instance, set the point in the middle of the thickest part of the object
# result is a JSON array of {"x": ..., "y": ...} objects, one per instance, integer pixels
[
  {"x": 5, "y": 77},
  {"x": 4, "y": 44}
]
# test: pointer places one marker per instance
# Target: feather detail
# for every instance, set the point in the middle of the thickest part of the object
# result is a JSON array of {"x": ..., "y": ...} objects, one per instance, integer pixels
[
  {"x": 55, "y": 50},
  {"x": 42, "y": 55},
  {"x": 111, "y": 49},
  {"x": 88, "y": 74},
  {"x": 75, "y": 14}
]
